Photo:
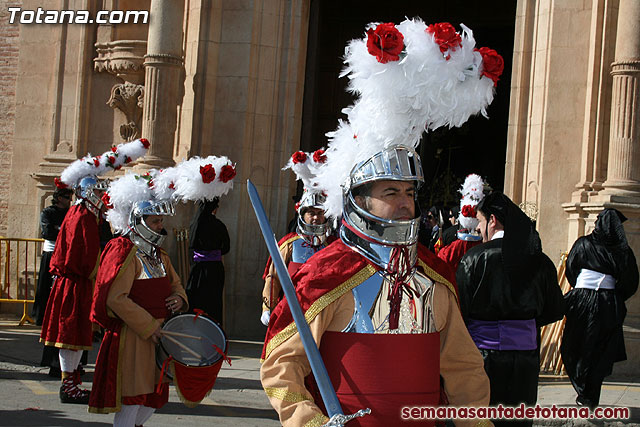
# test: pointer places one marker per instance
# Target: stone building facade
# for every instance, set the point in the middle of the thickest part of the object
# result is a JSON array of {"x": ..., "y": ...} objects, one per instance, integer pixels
[{"x": 228, "y": 77}]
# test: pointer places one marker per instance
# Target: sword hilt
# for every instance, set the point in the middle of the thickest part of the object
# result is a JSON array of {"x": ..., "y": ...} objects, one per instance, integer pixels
[{"x": 339, "y": 420}]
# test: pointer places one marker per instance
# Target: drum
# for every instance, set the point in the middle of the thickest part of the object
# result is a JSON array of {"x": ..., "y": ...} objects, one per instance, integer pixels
[{"x": 191, "y": 352}]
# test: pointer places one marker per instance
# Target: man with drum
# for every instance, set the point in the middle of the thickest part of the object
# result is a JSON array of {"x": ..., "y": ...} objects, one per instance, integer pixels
[
  {"x": 312, "y": 231},
  {"x": 383, "y": 308},
  {"x": 137, "y": 288}
]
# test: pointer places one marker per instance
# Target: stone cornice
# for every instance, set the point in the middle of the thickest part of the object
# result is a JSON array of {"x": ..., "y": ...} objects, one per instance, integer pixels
[{"x": 121, "y": 57}]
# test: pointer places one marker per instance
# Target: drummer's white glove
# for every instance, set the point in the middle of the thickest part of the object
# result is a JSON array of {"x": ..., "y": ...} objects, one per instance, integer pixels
[{"x": 265, "y": 317}]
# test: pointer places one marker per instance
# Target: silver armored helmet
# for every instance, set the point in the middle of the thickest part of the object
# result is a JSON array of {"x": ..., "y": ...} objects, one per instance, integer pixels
[
  {"x": 372, "y": 236},
  {"x": 86, "y": 190},
  {"x": 141, "y": 234},
  {"x": 314, "y": 234}
]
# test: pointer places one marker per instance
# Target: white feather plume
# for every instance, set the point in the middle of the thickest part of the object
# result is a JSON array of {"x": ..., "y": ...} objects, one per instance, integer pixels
[
  {"x": 110, "y": 160},
  {"x": 472, "y": 191},
  {"x": 124, "y": 193},
  {"x": 398, "y": 100},
  {"x": 189, "y": 183}
]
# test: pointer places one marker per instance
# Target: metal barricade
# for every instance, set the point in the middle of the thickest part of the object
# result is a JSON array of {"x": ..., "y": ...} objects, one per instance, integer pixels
[{"x": 19, "y": 262}]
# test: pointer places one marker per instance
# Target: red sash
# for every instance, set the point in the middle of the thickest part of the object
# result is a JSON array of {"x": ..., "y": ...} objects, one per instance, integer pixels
[{"x": 384, "y": 372}]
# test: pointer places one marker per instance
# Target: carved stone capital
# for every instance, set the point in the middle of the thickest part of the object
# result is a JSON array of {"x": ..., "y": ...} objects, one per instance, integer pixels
[
  {"x": 128, "y": 98},
  {"x": 625, "y": 67},
  {"x": 123, "y": 58}
]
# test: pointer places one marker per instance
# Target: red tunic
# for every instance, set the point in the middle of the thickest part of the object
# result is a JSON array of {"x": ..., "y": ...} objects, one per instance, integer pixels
[
  {"x": 74, "y": 261},
  {"x": 453, "y": 252}
]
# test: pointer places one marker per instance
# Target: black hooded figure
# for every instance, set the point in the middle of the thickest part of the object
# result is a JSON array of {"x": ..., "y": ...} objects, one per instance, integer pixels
[
  {"x": 209, "y": 240},
  {"x": 508, "y": 290},
  {"x": 603, "y": 272}
]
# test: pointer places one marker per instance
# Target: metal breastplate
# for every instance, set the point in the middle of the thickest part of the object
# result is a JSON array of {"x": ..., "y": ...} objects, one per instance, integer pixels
[
  {"x": 364, "y": 296},
  {"x": 302, "y": 251},
  {"x": 367, "y": 293},
  {"x": 152, "y": 267}
]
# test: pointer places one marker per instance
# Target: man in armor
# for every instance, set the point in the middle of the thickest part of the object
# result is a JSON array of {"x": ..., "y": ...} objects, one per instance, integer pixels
[
  {"x": 312, "y": 230},
  {"x": 74, "y": 263},
  {"x": 137, "y": 288},
  {"x": 466, "y": 236},
  {"x": 383, "y": 308}
]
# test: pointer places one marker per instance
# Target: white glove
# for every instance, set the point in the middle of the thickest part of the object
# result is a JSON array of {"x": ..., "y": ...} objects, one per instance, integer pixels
[{"x": 265, "y": 317}]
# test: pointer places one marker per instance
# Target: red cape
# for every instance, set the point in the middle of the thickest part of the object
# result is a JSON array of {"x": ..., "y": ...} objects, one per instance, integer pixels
[
  {"x": 104, "y": 399},
  {"x": 453, "y": 252},
  {"x": 286, "y": 239},
  {"x": 331, "y": 273}
]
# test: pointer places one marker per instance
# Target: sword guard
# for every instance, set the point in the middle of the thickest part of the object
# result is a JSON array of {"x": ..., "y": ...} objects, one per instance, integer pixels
[{"x": 339, "y": 420}]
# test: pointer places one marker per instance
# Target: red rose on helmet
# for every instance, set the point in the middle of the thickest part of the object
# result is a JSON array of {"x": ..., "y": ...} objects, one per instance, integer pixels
[
  {"x": 114, "y": 149},
  {"x": 492, "y": 64},
  {"x": 111, "y": 159},
  {"x": 469, "y": 211},
  {"x": 319, "y": 156},
  {"x": 297, "y": 206},
  {"x": 445, "y": 35},
  {"x": 227, "y": 172},
  {"x": 172, "y": 185},
  {"x": 127, "y": 160},
  {"x": 96, "y": 162},
  {"x": 58, "y": 182},
  {"x": 385, "y": 42},
  {"x": 145, "y": 143},
  {"x": 299, "y": 157},
  {"x": 208, "y": 173},
  {"x": 106, "y": 200}
]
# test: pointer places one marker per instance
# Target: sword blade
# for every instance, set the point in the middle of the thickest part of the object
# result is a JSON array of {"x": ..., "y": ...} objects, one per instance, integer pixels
[{"x": 327, "y": 391}]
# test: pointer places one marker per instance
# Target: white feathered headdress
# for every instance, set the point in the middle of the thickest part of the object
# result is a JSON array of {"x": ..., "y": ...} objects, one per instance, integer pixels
[
  {"x": 113, "y": 159},
  {"x": 408, "y": 78},
  {"x": 194, "y": 179},
  {"x": 472, "y": 193},
  {"x": 306, "y": 166}
]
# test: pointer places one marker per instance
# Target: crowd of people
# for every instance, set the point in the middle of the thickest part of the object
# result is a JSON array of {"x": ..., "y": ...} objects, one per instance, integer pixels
[{"x": 409, "y": 308}]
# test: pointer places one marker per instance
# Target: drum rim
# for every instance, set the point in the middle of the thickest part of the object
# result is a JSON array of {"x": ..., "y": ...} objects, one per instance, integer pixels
[{"x": 193, "y": 315}]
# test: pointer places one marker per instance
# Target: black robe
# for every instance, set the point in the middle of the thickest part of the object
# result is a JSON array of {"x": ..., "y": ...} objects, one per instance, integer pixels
[
  {"x": 206, "y": 279},
  {"x": 593, "y": 340},
  {"x": 487, "y": 293},
  {"x": 51, "y": 219}
]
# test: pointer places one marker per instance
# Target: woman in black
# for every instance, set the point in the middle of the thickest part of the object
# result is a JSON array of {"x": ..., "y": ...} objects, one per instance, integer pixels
[
  {"x": 603, "y": 272},
  {"x": 209, "y": 241}
]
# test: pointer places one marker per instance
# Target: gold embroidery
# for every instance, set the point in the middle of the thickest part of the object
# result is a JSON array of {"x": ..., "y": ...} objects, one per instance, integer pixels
[
  {"x": 433, "y": 275},
  {"x": 317, "y": 421},
  {"x": 286, "y": 242},
  {"x": 286, "y": 395},
  {"x": 319, "y": 305}
]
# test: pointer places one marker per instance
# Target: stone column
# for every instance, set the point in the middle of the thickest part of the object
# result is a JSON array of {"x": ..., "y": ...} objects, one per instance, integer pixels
[
  {"x": 623, "y": 171},
  {"x": 163, "y": 79}
]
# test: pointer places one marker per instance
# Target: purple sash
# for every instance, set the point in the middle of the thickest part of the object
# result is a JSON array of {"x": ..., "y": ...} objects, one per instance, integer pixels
[
  {"x": 503, "y": 334},
  {"x": 202, "y": 256}
]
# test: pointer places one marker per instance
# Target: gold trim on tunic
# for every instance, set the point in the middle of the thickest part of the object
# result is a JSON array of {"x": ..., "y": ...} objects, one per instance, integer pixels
[
  {"x": 319, "y": 305},
  {"x": 436, "y": 277},
  {"x": 285, "y": 395},
  {"x": 318, "y": 421}
]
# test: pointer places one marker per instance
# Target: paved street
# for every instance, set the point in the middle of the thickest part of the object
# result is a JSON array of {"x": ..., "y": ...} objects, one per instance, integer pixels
[{"x": 30, "y": 397}]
